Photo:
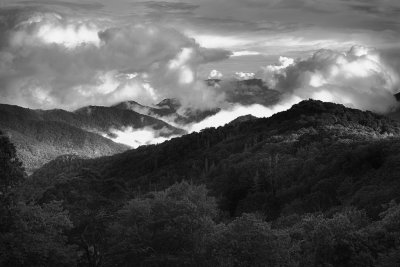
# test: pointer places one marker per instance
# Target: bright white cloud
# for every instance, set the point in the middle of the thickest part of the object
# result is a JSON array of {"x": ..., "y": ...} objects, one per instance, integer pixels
[
  {"x": 214, "y": 74},
  {"x": 225, "y": 116},
  {"x": 270, "y": 72},
  {"x": 49, "y": 60},
  {"x": 219, "y": 41},
  {"x": 244, "y": 75},
  {"x": 138, "y": 137},
  {"x": 245, "y": 53},
  {"x": 52, "y": 28},
  {"x": 358, "y": 78}
]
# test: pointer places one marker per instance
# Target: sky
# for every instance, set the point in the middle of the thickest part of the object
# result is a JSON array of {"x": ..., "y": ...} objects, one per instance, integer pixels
[{"x": 69, "y": 54}]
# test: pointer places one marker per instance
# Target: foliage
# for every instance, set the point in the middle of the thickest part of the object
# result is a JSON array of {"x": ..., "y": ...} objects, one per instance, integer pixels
[
  {"x": 313, "y": 157},
  {"x": 30, "y": 234},
  {"x": 316, "y": 185},
  {"x": 35, "y": 237},
  {"x": 250, "y": 241},
  {"x": 11, "y": 171},
  {"x": 163, "y": 228}
]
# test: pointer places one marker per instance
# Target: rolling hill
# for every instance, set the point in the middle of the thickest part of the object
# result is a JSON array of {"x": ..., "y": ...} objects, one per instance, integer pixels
[
  {"x": 43, "y": 135},
  {"x": 316, "y": 185},
  {"x": 312, "y": 147}
]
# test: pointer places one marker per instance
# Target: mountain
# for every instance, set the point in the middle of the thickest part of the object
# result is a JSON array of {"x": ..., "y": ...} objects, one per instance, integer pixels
[
  {"x": 312, "y": 150},
  {"x": 169, "y": 110},
  {"x": 243, "y": 92},
  {"x": 171, "y": 104},
  {"x": 316, "y": 185},
  {"x": 243, "y": 119},
  {"x": 43, "y": 135},
  {"x": 252, "y": 91},
  {"x": 105, "y": 118},
  {"x": 166, "y": 109},
  {"x": 246, "y": 92}
]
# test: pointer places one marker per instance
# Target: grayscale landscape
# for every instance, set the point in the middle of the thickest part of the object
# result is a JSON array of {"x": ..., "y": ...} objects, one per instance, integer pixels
[{"x": 200, "y": 133}]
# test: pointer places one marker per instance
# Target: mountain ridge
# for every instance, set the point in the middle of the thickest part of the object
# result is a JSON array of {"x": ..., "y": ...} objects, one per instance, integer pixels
[
  {"x": 228, "y": 158},
  {"x": 42, "y": 135},
  {"x": 316, "y": 168}
]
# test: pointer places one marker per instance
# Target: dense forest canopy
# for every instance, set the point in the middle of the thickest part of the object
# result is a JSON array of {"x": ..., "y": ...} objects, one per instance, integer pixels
[{"x": 316, "y": 185}]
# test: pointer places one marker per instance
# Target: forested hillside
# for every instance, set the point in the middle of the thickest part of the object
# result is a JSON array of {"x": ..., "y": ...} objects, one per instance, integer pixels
[
  {"x": 42, "y": 142},
  {"x": 169, "y": 110},
  {"x": 43, "y": 135},
  {"x": 312, "y": 157},
  {"x": 316, "y": 185}
]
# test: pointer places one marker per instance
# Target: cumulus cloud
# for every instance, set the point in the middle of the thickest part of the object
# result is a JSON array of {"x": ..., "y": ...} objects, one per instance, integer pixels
[
  {"x": 270, "y": 72},
  {"x": 215, "y": 74},
  {"x": 357, "y": 78},
  {"x": 51, "y": 28},
  {"x": 50, "y": 60},
  {"x": 244, "y": 75}
]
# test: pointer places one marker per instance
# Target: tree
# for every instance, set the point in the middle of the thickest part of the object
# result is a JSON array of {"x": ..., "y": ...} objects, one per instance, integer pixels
[
  {"x": 11, "y": 170},
  {"x": 30, "y": 234},
  {"x": 389, "y": 260},
  {"x": 250, "y": 241},
  {"x": 11, "y": 175},
  {"x": 391, "y": 217},
  {"x": 164, "y": 228},
  {"x": 91, "y": 202},
  {"x": 36, "y": 237},
  {"x": 336, "y": 241}
]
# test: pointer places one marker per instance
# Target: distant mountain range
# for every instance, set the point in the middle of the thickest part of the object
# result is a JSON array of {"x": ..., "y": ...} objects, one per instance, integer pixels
[
  {"x": 169, "y": 110},
  {"x": 246, "y": 92},
  {"x": 312, "y": 157},
  {"x": 319, "y": 178},
  {"x": 43, "y": 135},
  {"x": 312, "y": 119}
]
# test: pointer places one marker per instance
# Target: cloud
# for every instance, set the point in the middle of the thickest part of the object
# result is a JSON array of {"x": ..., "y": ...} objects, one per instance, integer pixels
[
  {"x": 75, "y": 6},
  {"x": 165, "y": 6},
  {"x": 245, "y": 53},
  {"x": 284, "y": 26},
  {"x": 214, "y": 74},
  {"x": 225, "y": 116},
  {"x": 138, "y": 137},
  {"x": 51, "y": 28},
  {"x": 52, "y": 60},
  {"x": 217, "y": 41},
  {"x": 357, "y": 78},
  {"x": 244, "y": 75},
  {"x": 211, "y": 55},
  {"x": 386, "y": 8},
  {"x": 270, "y": 72}
]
